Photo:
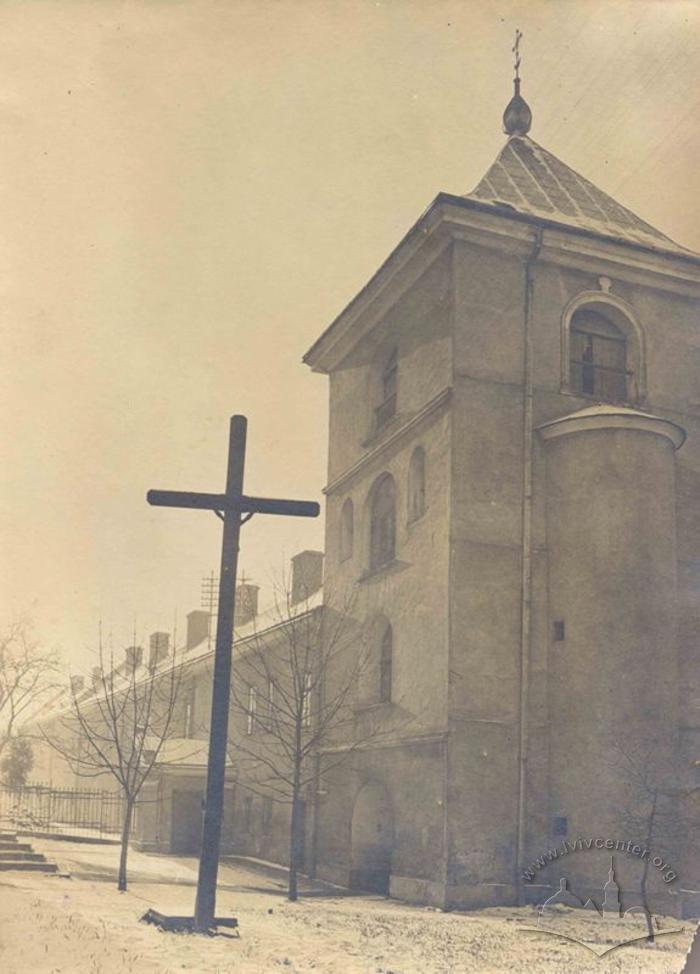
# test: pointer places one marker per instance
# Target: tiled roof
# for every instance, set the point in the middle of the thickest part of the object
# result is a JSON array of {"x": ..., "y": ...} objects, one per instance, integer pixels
[{"x": 530, "y": 180}]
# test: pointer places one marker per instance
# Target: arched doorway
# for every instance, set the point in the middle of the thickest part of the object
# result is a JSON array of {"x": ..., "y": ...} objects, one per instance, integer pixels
[{"x": 372, "y": 839}]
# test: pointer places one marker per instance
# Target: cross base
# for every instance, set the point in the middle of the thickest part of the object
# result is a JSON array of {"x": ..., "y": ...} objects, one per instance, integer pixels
[{"x": 181, "y": 924}]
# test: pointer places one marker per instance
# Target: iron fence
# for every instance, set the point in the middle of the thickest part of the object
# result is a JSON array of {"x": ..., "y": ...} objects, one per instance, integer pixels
[{"x": 61, "y": 810}]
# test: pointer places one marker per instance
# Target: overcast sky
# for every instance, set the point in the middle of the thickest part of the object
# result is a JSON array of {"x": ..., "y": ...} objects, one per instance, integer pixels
[{"x": 192, "y": 191}]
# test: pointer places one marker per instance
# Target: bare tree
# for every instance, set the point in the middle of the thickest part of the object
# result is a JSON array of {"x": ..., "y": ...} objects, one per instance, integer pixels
[
  {"x": 119, "y": 727},
  {"x": 655, "y": 805},
  {"x": 295, "y": 685},
  {"x": 27, "y": 674}
]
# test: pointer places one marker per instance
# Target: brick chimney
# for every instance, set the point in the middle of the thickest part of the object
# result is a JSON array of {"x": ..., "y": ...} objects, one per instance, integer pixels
[
  {"x": 246, "y": 603},
  {"x": 133, "y": 657},
  {"x": 197, "y": 627},
  {"x": 159, "y": 647},
  {"x": 307, "y": 575},
  {"x": 76, "y": 684}
]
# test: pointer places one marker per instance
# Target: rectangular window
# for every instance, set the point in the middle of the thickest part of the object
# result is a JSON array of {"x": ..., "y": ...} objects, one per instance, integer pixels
[
  {"x": 560, "y": 825},
  {"x": 306, "y": 703},
  {"x": 270, "y": 704},
  {"x": 267, "y": 816},
  {"x": 387, "y": 407},
  {"x": 252, "y": 708},
  {"x": 247, "y": 813},
  {"x": 559, "y": 630},
  {"x": 188, "y": 728}
]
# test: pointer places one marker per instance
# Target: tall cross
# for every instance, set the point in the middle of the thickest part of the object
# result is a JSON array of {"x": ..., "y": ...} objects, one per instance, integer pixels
[
  {"x": 234, "y": 508},
  {"x": 516, "y": 52}
]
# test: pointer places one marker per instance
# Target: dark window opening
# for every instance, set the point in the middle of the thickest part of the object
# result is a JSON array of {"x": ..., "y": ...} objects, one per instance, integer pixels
[
  {"x": 385, "y": 666},
  {"x": 267, "y": 816},
  {"x": 387, "y": 405},
  {"x": 598, "y": 358},
  {"x": 416, "y": 484},
  {"x": 561, "y": 825},
  {"x": 382, "y": 541},
  {"x": 247, "y": 813},
  {"x": 559, "y": 630}
]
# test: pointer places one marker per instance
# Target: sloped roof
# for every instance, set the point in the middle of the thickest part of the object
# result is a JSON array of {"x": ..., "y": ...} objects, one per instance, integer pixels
[{"x": 529, "y": 179}]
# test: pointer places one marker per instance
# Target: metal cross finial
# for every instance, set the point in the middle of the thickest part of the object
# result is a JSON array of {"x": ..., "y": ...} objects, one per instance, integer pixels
[{"x": 516, "y": 51}]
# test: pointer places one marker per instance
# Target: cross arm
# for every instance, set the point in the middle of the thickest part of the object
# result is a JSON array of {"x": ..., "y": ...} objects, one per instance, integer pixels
[{"x": 224, "y": 502}]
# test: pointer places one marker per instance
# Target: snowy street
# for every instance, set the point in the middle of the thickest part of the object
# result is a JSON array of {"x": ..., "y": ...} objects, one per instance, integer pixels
[{"x": 43, "y": 919}]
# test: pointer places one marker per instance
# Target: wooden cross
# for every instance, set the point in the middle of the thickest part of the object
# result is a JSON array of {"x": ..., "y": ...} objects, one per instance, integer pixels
[{"x": 234, "y": 508}]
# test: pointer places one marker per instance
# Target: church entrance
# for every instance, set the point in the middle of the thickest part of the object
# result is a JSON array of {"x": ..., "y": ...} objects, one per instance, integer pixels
[{"x": 372, "y": 839}]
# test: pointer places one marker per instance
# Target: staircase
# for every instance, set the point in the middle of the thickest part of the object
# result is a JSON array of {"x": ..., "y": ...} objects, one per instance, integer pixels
[{"x": 16, "y": 855}]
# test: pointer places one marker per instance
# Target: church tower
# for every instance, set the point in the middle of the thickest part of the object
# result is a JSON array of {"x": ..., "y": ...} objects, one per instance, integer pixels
[{"x": 513, "y": 490}]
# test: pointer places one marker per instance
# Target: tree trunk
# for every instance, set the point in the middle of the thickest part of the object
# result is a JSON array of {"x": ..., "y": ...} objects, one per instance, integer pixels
[
  {"x": 294, "y": 836},
  {"x": 126, "y": 833}
]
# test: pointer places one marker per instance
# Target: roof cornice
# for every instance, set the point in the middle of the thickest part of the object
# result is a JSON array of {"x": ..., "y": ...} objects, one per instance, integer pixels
[{"x": 488, "y": 225}]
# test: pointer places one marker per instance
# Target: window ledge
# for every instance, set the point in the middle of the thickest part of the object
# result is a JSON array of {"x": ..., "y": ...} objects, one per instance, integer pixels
[
  {"x": 386, "y": 429},
  {"x": 377, "y": 706},
  {"x": 628, "y": 403},
  {"x": 388, "y": 568}
]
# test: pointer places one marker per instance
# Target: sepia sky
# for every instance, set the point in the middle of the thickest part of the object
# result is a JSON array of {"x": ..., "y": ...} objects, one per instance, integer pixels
[{"x": 191, "y": 191}]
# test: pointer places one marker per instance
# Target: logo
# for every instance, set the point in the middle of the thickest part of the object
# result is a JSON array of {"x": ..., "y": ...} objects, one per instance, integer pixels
[{"x": 599, "y": 929}]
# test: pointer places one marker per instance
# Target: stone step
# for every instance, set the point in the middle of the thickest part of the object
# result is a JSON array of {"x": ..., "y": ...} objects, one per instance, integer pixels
[
  {"x": 21, "y": 865},
  {"x": 21, "y": 856},
  {"x": 14, "y": 846}
]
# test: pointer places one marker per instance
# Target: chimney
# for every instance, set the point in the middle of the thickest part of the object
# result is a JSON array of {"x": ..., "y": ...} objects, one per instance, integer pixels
[
  {"x": 246, "y": 603},
  {"x": 307, "y": 575},
  {"x": 133, "y": 657},
  {"x": 96, "y": 677},
  {"x": 159, "y": 647},
  {"x": 197, "y": 627},
  {"x": 76, "y": 684}
]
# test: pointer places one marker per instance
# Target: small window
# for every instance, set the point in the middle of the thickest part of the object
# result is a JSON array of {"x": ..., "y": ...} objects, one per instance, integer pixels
[
  {"x": 382, "y": 522},
  {"x": 559, "y": 631},
  {"x": 267, "y": 816},
  {"x": 385, "y": 665},
  {"x": 306, "y": 701},
  {"x": 560, "y": 825},
  {"x": 188, "y": 729},
  {"x": 598, "y": 357},
  {"x": 386, "y": 409},
  {"x": 416, "y": 484},
  {"x": 247, "y": 813},
  {"x": 270, "y": 703},
  {"x": 347, "y": 530},
  {"x": 252, "y": 708}
]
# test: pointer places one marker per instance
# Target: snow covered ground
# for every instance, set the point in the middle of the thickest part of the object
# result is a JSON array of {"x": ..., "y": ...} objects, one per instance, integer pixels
[{"x": 82, "y": 925}]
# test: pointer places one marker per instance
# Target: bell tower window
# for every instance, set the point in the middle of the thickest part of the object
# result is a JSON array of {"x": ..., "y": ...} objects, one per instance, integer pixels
[{"x": 598, "y": 363}]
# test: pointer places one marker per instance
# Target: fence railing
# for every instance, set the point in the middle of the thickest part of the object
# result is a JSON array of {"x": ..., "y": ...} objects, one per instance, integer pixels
[{"x": 61, "y": 810}]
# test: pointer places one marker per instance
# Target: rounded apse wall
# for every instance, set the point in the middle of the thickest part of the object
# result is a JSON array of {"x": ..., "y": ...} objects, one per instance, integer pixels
[{"x": 611, "y": 555}]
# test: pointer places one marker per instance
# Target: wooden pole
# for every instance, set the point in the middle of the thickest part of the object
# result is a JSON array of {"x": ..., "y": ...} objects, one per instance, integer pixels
[{"x": 205, "y": 907}]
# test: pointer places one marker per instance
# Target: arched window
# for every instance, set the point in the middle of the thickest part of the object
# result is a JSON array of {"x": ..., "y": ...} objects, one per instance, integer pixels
[
  {"x": 386, "y": 407},
  {"x": 382, "y": 522},
  {"x": 347, "y": 530},
  {"x": 385, "y": 664},
  {"x": 598, "y": 357},
  {"x": 416, "y": 484}
]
